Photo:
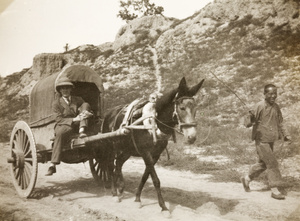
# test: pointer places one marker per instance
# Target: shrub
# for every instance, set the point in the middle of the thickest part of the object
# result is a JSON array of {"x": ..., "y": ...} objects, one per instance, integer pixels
[
  {"x": 141, "y": 34},
  {"x": 108, "y": 53},
  {"x": 14, "y": 78},
  {"x": 124, "y": 48}
]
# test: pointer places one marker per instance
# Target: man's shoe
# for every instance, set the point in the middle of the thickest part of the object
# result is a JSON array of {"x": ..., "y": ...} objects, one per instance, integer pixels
[
  {"x": 82, "y": 135},
  {"x": 245, "y": 184},
  {"x": 279, "y": 196},
  {"x": 51, "y": 170}
]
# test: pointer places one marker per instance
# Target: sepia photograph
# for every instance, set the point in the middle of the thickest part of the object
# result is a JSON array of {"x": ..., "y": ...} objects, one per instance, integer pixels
[{"x": 154, "y": 110}]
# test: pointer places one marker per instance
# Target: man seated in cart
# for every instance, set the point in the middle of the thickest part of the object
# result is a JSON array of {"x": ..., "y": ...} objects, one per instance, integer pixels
[{"x": 71, "y": 116}]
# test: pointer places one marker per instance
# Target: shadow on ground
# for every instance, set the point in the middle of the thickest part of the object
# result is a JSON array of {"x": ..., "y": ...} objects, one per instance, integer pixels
[{"x": 191, "y": 199}]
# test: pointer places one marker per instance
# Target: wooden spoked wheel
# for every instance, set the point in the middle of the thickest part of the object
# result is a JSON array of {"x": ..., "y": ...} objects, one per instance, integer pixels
[
  {"x": 100, "y": 172},
  {"x": 23, "y": 159}
]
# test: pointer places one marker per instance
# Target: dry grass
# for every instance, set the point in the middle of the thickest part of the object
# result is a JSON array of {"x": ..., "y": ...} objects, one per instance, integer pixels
[{"x": 232, "y": 144}]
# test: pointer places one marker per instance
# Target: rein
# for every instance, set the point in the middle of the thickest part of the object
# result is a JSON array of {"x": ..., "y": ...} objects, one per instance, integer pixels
[{"x": 173, "y": 128}]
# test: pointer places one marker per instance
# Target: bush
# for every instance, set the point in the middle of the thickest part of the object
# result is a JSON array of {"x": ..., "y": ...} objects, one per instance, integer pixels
[
  {"x": 108, "y": 53},
  {"x": 141, "y": 35}
]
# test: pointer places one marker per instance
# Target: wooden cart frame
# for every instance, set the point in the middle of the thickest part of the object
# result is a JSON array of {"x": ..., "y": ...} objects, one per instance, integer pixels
[{"x": 31, "y": 143}]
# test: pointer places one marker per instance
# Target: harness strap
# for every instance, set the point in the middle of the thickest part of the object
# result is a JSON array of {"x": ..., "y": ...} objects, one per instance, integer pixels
[
  {"x": 129, "y": 112},
  {"x": 116, "y": 118},
  {"x": 133, "y": 140},
  {"x": 127, "y": 118},
  {"x": 127, "y": 115},
  {"x": 174, "y": 136}
]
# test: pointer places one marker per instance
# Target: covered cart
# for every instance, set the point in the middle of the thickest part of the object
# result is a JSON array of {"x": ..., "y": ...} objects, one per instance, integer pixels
[{"x": 32, "y": 143}]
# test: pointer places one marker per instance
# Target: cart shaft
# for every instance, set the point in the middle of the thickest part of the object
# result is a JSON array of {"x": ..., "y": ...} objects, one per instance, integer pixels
[{"x": 81, "y": 142}]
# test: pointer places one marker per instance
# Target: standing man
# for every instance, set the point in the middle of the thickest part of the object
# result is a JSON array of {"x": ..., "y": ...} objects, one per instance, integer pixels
[
  {"x": 267, "y": 120},
  {"x": 71, "y": 115}
]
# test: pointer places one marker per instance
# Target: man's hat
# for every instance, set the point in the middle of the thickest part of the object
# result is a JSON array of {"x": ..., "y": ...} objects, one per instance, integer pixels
[{"x": 63, "y": 81}]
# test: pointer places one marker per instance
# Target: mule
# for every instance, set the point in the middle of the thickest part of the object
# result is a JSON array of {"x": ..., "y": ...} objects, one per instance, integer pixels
[{"x": 177, "y": 107}]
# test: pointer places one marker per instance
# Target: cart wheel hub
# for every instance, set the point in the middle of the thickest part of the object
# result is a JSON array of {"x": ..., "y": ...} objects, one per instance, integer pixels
[{"x": 20, "y": 160}]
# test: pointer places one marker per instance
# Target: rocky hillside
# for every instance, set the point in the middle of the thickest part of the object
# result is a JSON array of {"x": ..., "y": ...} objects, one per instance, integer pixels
[{"x": 246, "y": 44}]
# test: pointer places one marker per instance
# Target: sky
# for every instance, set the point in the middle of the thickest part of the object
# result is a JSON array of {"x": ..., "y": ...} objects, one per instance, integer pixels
[{"x": 31, "y": 27}]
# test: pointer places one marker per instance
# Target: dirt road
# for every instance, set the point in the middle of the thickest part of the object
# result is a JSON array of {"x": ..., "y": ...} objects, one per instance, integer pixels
[{"x": 72, "y": 194}]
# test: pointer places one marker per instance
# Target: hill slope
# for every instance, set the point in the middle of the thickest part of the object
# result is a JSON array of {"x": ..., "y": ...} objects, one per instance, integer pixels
[{"x": 245, "y": 43}]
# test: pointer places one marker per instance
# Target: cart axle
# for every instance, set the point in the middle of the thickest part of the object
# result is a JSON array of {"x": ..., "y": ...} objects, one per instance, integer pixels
[{"x": 11, "y": 160}]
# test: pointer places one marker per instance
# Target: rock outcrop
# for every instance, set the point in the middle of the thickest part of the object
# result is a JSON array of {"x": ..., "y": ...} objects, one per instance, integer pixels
[{"x": 245, "y": 43}]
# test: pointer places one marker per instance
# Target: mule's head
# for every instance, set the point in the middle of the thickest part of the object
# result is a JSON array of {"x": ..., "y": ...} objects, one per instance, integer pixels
[{"x": 185, "y": 110}]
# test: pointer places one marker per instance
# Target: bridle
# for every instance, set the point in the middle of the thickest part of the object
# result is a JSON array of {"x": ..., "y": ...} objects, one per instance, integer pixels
[{"x": 182, "y": 124}]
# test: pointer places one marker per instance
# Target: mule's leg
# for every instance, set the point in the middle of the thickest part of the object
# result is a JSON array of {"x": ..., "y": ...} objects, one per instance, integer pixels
[
  {"x": 149, "y": 161},
  {"x": 118, "y": 176},
  {"x": 143, "y": 181},
  {"x": 111, "y": 168},
  {"x": 141, "y": 185},
  {"x": 162, "y": 145}
]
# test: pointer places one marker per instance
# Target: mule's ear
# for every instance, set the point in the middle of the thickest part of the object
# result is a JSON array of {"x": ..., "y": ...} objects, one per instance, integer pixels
[
  {"x": 182, "y": 83},
  {"x": 182, "y": 88},
  {"x": 195, "y": 88}
]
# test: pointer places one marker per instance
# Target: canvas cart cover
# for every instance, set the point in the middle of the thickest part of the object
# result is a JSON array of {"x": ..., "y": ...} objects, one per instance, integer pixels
[{"x": 43, "y": 93}]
